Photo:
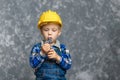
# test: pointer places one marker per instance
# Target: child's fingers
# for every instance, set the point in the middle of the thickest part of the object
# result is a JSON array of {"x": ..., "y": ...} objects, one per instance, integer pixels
[
  {"x": 46, "y": 47},
  {"x": 51, "y": 50},
  {"x": 49, "y": 53}
]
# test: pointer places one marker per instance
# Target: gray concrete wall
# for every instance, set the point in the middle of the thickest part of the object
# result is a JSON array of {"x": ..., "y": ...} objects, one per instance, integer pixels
[{"x": 91, "y": 30}]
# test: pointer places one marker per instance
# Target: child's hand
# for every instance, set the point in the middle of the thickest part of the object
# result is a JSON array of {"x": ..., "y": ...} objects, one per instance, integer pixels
[
  {"x": 53, "y": 55},
  {"x": 46, "y": 48}
]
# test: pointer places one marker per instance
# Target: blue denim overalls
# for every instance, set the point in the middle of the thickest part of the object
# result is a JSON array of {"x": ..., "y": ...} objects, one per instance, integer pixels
[{"x": 50, "y": 70}]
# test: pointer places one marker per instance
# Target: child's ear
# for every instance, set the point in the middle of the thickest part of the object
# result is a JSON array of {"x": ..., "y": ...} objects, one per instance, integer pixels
[{"x": 59, "y": 33}]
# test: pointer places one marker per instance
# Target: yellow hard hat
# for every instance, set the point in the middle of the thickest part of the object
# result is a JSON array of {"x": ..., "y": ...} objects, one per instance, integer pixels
[{"x": 49, "y": 16}]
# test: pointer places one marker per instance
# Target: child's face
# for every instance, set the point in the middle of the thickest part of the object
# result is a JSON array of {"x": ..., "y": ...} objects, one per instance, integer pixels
[{"x": 51, "y": 31}]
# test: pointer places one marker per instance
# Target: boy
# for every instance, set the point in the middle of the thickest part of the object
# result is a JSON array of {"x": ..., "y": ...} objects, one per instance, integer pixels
[{"x": 49, "y": 58}]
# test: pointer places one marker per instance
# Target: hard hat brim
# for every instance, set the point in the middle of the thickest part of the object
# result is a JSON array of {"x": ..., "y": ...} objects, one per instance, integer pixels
[{"x": 46, "y": 23}]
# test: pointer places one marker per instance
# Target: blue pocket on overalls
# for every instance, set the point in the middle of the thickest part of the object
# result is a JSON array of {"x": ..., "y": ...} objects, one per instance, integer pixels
[{"x": 50, "y": 74}]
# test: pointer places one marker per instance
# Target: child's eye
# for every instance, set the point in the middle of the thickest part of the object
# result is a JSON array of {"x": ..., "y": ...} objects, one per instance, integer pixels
[
  {"x": 46, "y": 29},
  {"x": 54, "y": 30}
]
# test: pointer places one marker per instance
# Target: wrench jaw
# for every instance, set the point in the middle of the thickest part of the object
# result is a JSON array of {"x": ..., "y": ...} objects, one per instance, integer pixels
[{"x": 49, "y": 41}]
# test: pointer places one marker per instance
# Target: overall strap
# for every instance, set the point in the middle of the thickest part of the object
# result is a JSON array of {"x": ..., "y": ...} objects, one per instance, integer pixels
[
  {"x": 63, "y": 48},
  {"x": 39, "y": 44}
]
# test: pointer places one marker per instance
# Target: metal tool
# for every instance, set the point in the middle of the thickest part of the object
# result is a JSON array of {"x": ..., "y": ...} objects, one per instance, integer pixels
[{"x": 49, "y": 41}]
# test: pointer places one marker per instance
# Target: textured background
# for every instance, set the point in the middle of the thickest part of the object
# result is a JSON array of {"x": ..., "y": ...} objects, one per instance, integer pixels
[{"x": 91, "y": 31}]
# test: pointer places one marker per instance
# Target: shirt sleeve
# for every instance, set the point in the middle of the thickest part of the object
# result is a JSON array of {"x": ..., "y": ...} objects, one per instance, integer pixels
[
  {"x": 65, "y": 61},
  {"x": 36, "y": 58}
]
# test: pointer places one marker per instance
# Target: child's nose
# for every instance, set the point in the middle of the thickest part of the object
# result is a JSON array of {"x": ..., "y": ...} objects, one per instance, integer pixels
[{"x": 49, "y": 32}]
